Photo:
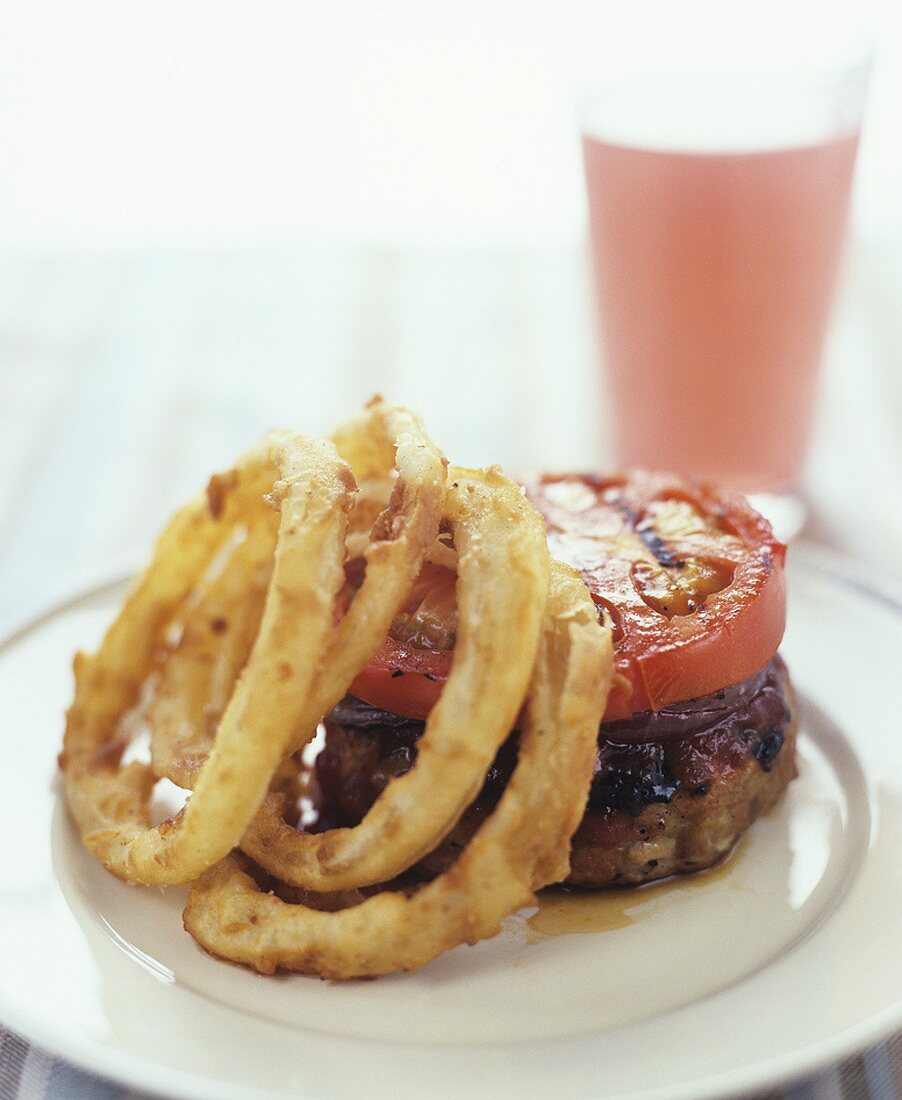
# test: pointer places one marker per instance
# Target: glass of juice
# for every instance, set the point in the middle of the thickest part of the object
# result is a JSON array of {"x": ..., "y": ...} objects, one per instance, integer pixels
[{"x": 718, "y": 210}]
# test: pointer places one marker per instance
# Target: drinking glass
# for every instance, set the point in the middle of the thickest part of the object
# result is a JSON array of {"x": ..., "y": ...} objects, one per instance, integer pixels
[{"x": 718, "y": 209}]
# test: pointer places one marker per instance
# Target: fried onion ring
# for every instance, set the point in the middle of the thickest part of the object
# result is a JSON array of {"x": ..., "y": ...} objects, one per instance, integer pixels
[
  {"x": 523, "y": 845},
  {"x": 110, "y": 803},
  {"x": 404, "y": 514},
  {"x": 503, "y": 563},
  {"x": 247, "y": 627},
  {"x": 198, "y": 678},
  {"x": 219, "y": 632}
]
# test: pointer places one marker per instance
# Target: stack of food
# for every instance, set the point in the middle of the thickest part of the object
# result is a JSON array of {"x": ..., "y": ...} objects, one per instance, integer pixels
[{"x": 496, "y": 720}]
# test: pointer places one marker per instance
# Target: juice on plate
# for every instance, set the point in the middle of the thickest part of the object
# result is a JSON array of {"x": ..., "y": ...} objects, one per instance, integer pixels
[{"x": 714, "y": 275}]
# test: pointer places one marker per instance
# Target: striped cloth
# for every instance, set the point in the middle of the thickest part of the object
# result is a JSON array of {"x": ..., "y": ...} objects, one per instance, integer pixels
[{"x": 27, "y": 1073}]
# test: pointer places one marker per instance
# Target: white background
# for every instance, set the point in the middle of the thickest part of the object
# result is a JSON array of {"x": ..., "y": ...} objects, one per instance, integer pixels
[{"x": 180, "y": 123}]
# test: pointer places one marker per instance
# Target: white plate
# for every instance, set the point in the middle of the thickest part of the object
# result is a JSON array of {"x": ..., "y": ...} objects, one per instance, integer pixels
[{"x": 784, "y": 960}]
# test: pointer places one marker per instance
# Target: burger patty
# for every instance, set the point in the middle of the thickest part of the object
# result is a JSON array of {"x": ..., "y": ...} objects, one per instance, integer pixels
[{"x": 673, "y": 802}]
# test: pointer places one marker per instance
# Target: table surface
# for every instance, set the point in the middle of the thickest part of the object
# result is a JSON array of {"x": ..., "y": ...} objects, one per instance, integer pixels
[{"x": 126, "y": 379}]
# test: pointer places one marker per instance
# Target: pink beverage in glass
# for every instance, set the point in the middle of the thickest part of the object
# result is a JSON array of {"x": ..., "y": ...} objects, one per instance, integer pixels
[{"x": 714, "y": 274}]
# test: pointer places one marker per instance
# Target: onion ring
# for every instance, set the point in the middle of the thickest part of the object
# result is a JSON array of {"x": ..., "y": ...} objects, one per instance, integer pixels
[
  {"x": 404, "y": 524},
  {"x": 503, "y": 565},
  {"x": 199, "y": 676},
  {"x": 523, "y": 845},
  {"x": 111, "y": 804}
]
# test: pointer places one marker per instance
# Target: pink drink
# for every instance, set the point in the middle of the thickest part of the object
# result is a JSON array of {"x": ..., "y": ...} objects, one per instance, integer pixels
[{"x": 715, "y": 274}]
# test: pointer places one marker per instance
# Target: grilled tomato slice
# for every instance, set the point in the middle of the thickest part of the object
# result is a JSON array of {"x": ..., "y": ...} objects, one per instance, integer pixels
[{"x": 691, "y": 578}]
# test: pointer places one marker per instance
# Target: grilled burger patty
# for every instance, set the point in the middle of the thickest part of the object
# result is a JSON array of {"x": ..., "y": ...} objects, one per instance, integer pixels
[{"x": 673, "y": 790}]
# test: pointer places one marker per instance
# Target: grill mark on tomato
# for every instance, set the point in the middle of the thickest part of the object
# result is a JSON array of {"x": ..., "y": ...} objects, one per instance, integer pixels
[
  {"x": 658, "y": 548},
  {"x": 644, "y": 529}
]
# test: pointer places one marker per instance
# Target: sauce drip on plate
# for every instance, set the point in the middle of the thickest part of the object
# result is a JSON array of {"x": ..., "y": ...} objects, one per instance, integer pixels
[{"x": 577, "y": 912}]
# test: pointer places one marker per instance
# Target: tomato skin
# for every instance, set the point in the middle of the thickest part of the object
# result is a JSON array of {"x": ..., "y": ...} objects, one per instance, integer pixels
[
  {"x": 658, "y": 659},
  {"x": 724, "y": 650},
  {"x": 415, "y": 691}
]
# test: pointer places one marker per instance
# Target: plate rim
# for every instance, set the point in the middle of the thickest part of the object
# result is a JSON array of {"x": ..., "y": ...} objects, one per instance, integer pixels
[{"x": 151, "y": 1076}]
